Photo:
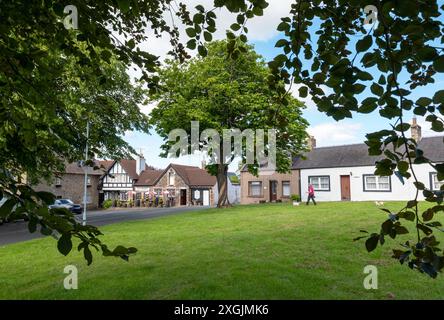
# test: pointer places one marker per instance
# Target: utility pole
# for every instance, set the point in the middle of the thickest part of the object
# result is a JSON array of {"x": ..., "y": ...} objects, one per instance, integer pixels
[{"x": 85, "y": 187}]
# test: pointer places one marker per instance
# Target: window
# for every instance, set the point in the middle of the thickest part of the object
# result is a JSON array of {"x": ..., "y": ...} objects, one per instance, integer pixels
[
  {"x": 171, "y": 177},
  {"x": 285, "y": 188},
  {"x": 320, "y": 183},
  {"x": 377, "y": 183},
  {"x": 435, "y": 184},
  {"x": 58, "y": 182},
  {"x": 171, "y": 192},
  {"x": 255, "y": 189},
  {"x": 88, "y": 181}
]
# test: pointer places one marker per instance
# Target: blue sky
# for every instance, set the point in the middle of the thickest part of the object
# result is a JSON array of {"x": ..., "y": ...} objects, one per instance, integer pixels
[{"x": 327, "y": 131}]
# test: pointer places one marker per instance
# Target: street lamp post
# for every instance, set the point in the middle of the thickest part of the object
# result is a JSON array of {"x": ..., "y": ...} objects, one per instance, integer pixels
[{"x": 85, "y": 187}]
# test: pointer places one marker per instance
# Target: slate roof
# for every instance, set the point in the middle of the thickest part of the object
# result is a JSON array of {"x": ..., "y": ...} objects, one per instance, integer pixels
[{"x": 356, "y": 155}]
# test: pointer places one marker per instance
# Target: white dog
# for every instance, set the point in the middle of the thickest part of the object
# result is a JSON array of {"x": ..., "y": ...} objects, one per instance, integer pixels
[{"x": 379, "y": 203}]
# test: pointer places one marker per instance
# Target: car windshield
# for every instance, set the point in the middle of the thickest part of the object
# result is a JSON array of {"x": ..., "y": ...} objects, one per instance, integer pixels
[{"x": 65, "y": 201}]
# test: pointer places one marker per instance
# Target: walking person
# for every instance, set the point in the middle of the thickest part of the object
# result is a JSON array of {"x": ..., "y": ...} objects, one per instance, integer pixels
[{"x": 311, "y": 195}]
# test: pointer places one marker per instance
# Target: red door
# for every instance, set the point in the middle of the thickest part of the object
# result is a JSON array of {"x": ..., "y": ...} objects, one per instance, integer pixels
[
  {"x": 273, "y": 191},
  {"x": 345, "y": 188}
]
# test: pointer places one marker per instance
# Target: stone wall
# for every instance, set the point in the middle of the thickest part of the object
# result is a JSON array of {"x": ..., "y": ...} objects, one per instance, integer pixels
[{"x": 71, "y": 187}]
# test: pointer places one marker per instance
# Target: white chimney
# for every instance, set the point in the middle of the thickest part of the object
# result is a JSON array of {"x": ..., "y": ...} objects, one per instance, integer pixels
[{"x": 140, "y": 163}]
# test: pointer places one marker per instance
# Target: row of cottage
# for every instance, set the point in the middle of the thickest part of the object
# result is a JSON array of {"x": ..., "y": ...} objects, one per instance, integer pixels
[
  {"x": 340, "y": 173},
  {"x": 132, "y": 180}
]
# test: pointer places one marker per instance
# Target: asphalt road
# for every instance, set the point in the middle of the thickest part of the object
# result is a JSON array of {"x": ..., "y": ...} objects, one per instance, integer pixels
[{"x": 18, "y": 231}]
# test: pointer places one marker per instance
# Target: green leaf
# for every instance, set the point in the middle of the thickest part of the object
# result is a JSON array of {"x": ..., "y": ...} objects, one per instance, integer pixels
[
  {"x": 87, "y": 254},
  {"x": 235, "y": 27},
  {"x": 439, "y": 97},
  {"x": 438, "y": 64},
  {"x": 7, "y": 207},
  {"x": 372, "y": 243},
  {"x": 423, "y": 101},
  {"x": 191, "y": 32},
  {"x": 65, "y": 244},
  {"x": 427, "y": 215},
  {"x": 303, "y": 92},
  {"x": 377, "y": 89},
  {"x": 124, "y": 5},
  {"x": 202, "y": 51},
  {"x": 192, "y": 44},
  {"x": 281, "y": 43},
  {"x": 208, "y": 36},
  {"x": 364, "y": 44}
]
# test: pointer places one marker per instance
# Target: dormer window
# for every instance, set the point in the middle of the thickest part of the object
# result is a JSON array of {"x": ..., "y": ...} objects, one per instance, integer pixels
[{"x": 171, "y": 177}]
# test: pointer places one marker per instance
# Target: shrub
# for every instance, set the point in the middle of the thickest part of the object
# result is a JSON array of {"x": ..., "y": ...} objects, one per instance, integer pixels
[
  {"x": 295, "y": 197},
  {"x": 108, "y": 204}
]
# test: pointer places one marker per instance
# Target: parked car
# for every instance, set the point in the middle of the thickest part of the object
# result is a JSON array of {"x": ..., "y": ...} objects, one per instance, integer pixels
[
  {"x": 16, "y": 217},
  {"x": 67, "y": 204}
]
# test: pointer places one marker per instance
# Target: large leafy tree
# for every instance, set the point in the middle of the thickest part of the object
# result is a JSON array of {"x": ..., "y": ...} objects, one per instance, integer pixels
[
  {"x": 53, "y": 80},
  {"x": 224, "y": 93}
]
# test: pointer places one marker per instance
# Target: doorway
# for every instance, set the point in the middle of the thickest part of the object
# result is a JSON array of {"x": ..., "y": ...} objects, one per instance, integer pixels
[
  {"x": 273, "y": 191},
  {"x": 206, "y": 197},
  {"x": 345, "y": 188},
  {"x": 183, "y": 197}
]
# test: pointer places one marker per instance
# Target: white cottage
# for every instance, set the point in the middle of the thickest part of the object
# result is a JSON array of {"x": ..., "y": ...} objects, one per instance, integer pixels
[{"x": 346, "y": 173}]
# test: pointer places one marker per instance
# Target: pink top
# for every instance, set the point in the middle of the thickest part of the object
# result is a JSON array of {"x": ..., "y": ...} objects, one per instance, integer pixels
[{"x": 311, "y": 190}]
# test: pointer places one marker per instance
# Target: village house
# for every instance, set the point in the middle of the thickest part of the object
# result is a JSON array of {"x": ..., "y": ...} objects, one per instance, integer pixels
[
  {"x": 342, "y": 173},
  {"x": 69, "y": 184},
  {"x": 120, "y": 178},
  {"x": 178, "y": 185},
  {"x": 346, "y": 173},
  {"x": 271, "y": 186}
]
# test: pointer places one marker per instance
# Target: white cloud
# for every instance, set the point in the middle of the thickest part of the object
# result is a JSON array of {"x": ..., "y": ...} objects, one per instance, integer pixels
[
  {"x": 336, "y": 133},
  {"x": 261, "y": 28}
]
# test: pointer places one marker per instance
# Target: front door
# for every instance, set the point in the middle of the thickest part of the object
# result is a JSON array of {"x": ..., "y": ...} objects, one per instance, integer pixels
[
  {"x": 273, "y": 191},
  {"x": 345, "y": 188},
  {"x": 206, "y": 197},
  {"x": 183, "y": 197}
]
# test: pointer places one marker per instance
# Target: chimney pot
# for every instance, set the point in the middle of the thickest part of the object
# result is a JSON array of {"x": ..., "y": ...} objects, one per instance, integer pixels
[
  {"x": 311, "y": 142},
  {"x": 140, "y": 164},
  {"x": 416, "y": 131}
]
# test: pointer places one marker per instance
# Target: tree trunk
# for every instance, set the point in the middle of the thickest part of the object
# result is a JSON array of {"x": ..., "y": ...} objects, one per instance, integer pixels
[{"x": 222, "y": 186}]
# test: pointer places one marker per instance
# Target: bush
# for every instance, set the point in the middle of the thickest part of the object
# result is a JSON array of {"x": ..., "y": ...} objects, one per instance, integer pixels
[
  {"x": 108, "y": 204},
  {"x": 296, "y": 197}
]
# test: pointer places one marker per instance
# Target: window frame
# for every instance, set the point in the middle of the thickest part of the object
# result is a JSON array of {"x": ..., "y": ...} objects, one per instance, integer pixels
[
  {"x": 261, "y": 195},
  {"x": 432, "y": 182},
  {"x": 289, "y": 188},
  {"x": 364, "y": 189},
  {"x": 319, "y": 177},
  {"x": 58, "y": 182}
]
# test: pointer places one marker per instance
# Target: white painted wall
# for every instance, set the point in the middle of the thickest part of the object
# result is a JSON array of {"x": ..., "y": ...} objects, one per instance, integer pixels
[
  {"x": 234, "y": 191},
  {"x": 399, "y": 191}
]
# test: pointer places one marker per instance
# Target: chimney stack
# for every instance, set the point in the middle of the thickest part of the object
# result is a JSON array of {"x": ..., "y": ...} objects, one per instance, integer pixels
[
  {"x": 311, "y": 142},
  {"x": 140, "y": 163},
  {"x": 416, "y": 131},
  {"x": 203, "y": 164}
]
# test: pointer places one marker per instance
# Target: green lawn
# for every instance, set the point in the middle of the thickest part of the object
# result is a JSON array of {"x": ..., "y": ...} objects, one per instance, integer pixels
[{"x": 247, "y": 252}]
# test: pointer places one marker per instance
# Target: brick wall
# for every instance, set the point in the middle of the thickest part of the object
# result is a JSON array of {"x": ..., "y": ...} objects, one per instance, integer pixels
[{"x": 246, "y": 177}]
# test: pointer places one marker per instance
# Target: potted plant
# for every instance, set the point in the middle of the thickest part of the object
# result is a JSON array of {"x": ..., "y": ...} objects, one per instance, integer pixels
[{"x": 296, "y": 199}]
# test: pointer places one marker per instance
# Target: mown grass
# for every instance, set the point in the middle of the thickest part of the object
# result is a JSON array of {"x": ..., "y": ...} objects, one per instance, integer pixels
[{"x": 247, "y": 252}]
